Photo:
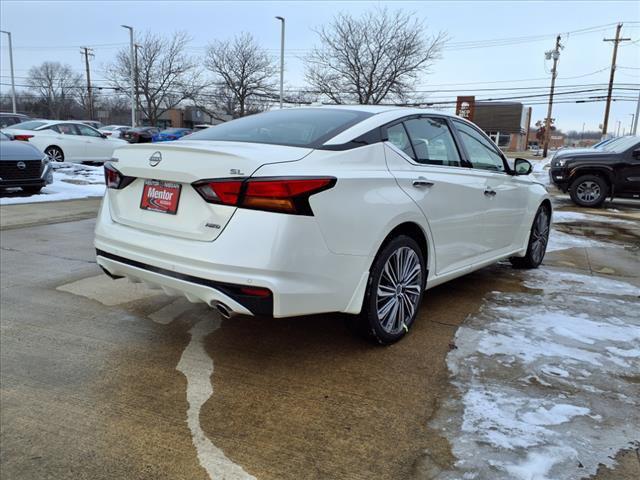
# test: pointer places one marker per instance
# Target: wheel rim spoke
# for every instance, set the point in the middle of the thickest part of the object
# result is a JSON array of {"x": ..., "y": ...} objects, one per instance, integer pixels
[{"x": 399, "y": 290}]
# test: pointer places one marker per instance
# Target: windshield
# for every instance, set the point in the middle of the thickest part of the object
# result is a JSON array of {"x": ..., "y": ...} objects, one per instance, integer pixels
[
  {"x": 621, "y": 144},
  {"x": 27, "y": 125},
  {"x": 296, "y": 127}
]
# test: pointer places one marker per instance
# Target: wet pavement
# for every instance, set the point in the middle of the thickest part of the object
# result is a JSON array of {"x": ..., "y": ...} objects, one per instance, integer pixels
[{"x": 104, "y": 379}]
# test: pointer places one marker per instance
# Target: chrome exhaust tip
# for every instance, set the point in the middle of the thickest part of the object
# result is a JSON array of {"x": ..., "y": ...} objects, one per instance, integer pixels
[{"x": 224, "y": 311}]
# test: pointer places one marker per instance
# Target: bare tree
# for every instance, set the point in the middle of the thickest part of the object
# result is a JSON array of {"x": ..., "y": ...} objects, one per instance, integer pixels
[
  {"x": 243, "y": 74},
  {"x": 166, "y": 75},
  {"x": 375, "y": 57},
  {"x": 56, "y": 85}
]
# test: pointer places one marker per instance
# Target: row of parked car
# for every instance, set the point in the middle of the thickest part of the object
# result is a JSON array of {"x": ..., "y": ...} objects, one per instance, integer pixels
[
  {"x": 29, "y": 145},
  {"x": 79, "y": 141}
]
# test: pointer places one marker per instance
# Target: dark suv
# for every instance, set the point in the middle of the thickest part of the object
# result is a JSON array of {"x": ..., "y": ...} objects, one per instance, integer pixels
[{"x": 592, "y": 175}]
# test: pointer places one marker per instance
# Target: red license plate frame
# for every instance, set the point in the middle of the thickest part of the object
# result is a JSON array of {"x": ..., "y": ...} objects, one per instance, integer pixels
[{"x": 159, "y": 196}]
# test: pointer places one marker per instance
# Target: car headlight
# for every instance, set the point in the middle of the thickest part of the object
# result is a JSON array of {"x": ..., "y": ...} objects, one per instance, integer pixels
[
  {"x": 560, "y": 162},
  {"x": 45, "y": 160}
]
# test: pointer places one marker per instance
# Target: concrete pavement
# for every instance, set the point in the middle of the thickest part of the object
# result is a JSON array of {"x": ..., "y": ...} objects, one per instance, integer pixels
[{"x": 101, "y": 380}]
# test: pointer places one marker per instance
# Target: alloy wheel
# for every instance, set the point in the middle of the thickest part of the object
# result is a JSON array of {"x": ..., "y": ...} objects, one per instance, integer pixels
[
  {"x": 588, "y": 191},
  {"x": 55, "y": 154},
  {"x": 399, "y": 290},
  {"x": 540, "y": 236}
]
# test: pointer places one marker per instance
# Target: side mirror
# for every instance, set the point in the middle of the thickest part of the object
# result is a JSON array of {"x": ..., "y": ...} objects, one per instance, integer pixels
[
  {"x": 522, "y": 167},
  {"x": 104, "y": 135}
]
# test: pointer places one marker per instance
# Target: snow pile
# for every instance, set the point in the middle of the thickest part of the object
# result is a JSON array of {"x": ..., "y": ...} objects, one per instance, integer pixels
[
  {"x": 70, "y": 181},
  {"x": 548, "y": 380}
]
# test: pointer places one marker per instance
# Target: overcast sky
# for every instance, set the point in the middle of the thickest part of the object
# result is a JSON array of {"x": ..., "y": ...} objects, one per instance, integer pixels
[{"x": 54, "y": 30}]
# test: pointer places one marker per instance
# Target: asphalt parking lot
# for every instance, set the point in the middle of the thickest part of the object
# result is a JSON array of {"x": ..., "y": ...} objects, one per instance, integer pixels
[{"x": 105, "y": 379}]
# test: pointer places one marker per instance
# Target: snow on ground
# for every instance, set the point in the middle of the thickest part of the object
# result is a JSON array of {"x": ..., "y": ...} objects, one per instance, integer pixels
[
  {"x": 561, "y": 216},
  {"x": 70, "y": 181},
  {"x": 541, "y": 170},
  {"x": 549, "y": 380}
]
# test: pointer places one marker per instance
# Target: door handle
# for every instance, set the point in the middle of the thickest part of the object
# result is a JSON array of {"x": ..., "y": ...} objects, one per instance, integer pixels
[
  {"x": 489, "y": 192},
  {"x": 422, "y": 182}
]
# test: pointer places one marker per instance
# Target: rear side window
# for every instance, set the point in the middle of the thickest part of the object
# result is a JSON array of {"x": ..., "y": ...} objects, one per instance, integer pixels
[
  {"x": 398, "y": 137},
  {"x": 432, "y": 142},
  {"x": 296, "y": 127}
]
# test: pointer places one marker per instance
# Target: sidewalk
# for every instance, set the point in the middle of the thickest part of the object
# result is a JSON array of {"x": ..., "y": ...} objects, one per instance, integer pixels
[{"x": 28, "y": 214}]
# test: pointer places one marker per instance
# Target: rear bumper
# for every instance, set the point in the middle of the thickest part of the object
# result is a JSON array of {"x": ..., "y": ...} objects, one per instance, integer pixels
[{"x": 283, "y": 253}]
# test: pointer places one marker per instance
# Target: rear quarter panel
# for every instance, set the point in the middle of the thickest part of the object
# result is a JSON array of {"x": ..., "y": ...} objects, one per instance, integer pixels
[{"x": 362, "y": 208}]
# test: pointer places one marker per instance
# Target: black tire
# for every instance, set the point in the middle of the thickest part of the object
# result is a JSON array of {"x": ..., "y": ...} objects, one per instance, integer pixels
[
  {"x": 538, "y": 239},
  {"x": 406, "y": 298},
  {"x": 55, "y": 153},
  {"x": 31, "y": 190},
  {"x": 589, "y": 191}
]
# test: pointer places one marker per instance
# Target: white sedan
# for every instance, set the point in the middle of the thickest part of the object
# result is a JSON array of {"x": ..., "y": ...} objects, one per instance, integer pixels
[
  {"x": 114, "y": 131},
  {"x": 354, "y": 209},
  {"x": 66, "y": 141}
]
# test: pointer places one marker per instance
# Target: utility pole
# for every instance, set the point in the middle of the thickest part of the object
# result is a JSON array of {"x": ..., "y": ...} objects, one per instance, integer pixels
[
  {"x": 137, "y": 77},
  {"x": 281, "y": 61},
  {"x": 13, "y": 82},
  {"x": 618, "y": 132},
  {"x": 131, "y": 73},
  {"x": 635, "y": 119},
  {"x": 87, "y": 52},
  {"x": 555, "y": 54},
  {"x": 616, "y": 41}
]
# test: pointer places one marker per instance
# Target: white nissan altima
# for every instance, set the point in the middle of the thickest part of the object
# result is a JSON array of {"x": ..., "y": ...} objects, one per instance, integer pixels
[
  {"x": 66, "y": 141},
  {"x": 354, "y": 209}
]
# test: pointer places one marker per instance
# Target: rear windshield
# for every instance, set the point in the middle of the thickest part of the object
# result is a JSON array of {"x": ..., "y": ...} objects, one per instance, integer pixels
[
  {"x": 296, "y": 127},
  {"x": 27, "y": 125}
]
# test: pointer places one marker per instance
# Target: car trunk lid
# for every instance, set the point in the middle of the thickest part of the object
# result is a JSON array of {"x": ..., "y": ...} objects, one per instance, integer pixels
[{"x": 176, "y": 165}]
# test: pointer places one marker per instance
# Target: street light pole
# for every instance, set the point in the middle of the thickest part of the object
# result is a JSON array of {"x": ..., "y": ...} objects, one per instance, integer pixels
[
  {"x": 635, "y": 120},
  {"x": 281, "y": 61},
  {"x": 132, "y": 75},
  {"x": 13, "y": 82}
]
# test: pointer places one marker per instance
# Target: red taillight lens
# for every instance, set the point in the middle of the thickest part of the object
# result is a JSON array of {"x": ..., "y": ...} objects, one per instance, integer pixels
[
  {"x": 285, "y": 195},
  {"x": 24, "y": 138},
  {"x": 255, "y": 291},
  {"x": 114, "y": 179},
  {"x": 225, "y": 192}
]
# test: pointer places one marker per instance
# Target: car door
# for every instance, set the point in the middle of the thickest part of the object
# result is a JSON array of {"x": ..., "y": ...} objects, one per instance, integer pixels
[
  {"x": 97, "y": 148},
  {"x": 504, "y": 195},
  {"x": 628, "y": 174},
  {"x": 68, "y": 138},
  {"x": 423, "y": 156}
]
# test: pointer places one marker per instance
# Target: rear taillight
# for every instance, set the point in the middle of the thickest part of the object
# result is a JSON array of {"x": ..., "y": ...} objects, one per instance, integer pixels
[
  {"x": 24, "y": 138},
  {"x": 275, "y": 194},
  {"x": 114, "y": 179},
  {"x": 108, "y": 134}
]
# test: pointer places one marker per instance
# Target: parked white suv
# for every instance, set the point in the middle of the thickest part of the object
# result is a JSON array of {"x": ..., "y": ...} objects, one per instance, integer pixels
[{"x": 354, "y": 209}]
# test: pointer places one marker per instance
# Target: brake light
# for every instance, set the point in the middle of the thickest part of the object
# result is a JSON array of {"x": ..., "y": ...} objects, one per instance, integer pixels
[
  {"x": 284, "y": 195},
  {"x": 24, "y": 137},
  {"x": 114, "y": 179}
]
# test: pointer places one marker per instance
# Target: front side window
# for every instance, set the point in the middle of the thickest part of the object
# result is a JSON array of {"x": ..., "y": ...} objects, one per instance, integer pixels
[
  {"x": 87, "y": 131},
  {"x": 481, "y": 152},
  {"x": 433, "y": 142},
  {"x": 398, "y": 137},
  {"x": 296, "y": 127}
]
